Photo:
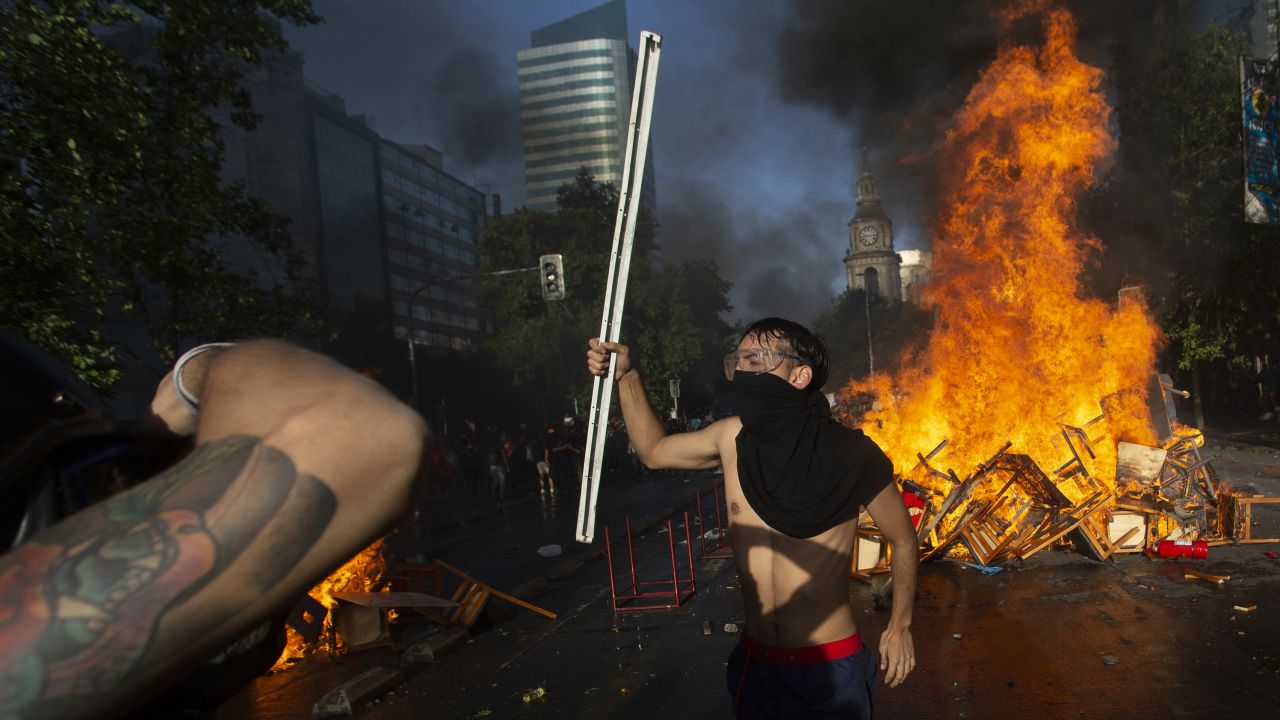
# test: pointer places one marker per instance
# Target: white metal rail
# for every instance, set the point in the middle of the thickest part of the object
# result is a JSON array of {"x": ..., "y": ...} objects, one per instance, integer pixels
[{"x": 624, "y": 231}]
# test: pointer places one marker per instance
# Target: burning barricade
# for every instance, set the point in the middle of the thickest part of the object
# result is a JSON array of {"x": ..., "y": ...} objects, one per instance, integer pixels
[
  {"x": 1025, "y": 378},
  {"x": 1163, "y": 499}
]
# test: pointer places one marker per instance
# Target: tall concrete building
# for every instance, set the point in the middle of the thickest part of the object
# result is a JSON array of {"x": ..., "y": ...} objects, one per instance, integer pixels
[
  {"x": 575, "y": 103},
  {"x": 916, "y": 266},
  {"x": 433, "y": 222},
  {"x": 376, "y": 219},
  {"x": 317, "y": 166}
]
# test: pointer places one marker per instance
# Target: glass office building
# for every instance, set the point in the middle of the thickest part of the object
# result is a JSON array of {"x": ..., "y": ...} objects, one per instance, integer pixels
[
  {"x": 350, "y": 229},
  {"x": 433, "y": 222},
  {"x": 575, "y": 102}
]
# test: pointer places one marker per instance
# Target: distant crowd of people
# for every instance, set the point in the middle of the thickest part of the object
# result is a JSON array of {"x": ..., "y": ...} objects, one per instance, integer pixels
[{"x": 505, "y": 461}]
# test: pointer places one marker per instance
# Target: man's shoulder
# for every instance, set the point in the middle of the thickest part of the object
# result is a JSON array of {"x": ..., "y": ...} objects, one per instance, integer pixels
[
  {"x": 723, "y": 429},
  {"x": 733, "y": 423}
]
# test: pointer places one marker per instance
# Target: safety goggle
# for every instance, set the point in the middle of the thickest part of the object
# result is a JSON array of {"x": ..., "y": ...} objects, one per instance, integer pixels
[{"x": 756, "y": 361}]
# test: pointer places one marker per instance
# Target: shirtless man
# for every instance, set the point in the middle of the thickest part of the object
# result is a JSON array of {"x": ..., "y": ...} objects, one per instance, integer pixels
[{"x": 784, "y": 458}]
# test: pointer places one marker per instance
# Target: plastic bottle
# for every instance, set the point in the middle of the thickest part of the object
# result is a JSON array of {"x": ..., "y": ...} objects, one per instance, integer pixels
[
  {"x": 534, "y": 694},
  {"x": 1194, "y": 549}
]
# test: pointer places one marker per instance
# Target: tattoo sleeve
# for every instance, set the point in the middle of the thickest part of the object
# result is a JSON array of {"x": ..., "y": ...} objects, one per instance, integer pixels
[{"x": 81, "y": 606}]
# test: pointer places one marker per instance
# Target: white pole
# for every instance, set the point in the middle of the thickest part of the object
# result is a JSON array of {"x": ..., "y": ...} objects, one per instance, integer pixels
[{"x": 624, "y": 231}]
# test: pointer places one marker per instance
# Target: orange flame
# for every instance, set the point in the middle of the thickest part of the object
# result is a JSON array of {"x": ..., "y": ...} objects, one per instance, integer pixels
[
  {"x": 1017, "y": 348},
  {"x": 361, "y": 573}
]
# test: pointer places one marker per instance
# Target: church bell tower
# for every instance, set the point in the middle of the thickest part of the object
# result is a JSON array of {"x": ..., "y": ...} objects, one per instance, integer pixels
[{"x": 871, "y": 263}]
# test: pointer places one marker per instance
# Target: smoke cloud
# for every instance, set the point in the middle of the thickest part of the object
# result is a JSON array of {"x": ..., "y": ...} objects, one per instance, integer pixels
[
  {"x": 761, "y": 114},
  {"x": 433, "y": 72}
]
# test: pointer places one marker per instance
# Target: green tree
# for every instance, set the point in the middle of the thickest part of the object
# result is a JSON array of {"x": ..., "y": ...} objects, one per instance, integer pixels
[
  {"x": 113, "y": 206},
  {"x": 895, "y": 330},
  {"x": 1169, "y": 211},
  {"x": 671, "y": 311}
]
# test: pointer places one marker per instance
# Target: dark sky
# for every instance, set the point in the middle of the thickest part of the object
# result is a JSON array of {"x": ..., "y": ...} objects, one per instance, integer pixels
[{"x": 761, "y": 110}]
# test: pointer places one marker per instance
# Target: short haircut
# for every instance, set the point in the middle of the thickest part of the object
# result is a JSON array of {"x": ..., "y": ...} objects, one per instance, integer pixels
[{"x": 811, "y": 348}]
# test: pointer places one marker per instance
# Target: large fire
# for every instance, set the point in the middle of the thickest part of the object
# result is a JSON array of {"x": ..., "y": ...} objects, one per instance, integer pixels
[
  {"x": 361, "y": 573},
  {"x": 1018, "y": 351}
]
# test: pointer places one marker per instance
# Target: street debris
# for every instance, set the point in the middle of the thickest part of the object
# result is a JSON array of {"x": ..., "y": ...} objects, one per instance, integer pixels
[
  {"x": 1163, "y": 499},
  {"x": 1245, "y": 608},
  {"x": 984, "y": 569},
  {"x": 731, "y": 627},
  {"x": 706, "y": 627},
  {"x": 550, "y": 551},
  {"x": 533, "y": 694},
  {"x": 1110, "y": 660},
  {"x": 1207, "y": 577}
]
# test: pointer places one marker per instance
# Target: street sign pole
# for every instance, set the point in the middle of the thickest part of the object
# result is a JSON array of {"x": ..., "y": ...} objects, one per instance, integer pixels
[{"x": 624, "y": 231}]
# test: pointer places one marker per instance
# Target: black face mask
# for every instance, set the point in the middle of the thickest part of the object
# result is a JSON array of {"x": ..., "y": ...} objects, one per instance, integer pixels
[
  {"x": 801, "y": 471},
  {"x": 768, "y": 404}
]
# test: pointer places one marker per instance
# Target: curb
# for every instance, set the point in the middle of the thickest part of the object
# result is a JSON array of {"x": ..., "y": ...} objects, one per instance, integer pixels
[{"x": 354, "y": 693}]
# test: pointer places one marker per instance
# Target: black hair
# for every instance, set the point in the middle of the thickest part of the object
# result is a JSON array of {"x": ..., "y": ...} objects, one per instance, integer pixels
[{"x": 811, "y": 348}]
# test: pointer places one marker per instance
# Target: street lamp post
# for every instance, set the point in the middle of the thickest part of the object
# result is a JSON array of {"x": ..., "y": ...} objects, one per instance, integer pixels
[
  {"x": 413, "y": 299},
  {"x": 871, "y": 358},
  {"x": 413, "y": 363}
]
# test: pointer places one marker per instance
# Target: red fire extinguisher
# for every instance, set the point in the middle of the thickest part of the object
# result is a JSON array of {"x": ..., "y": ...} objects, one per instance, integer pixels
[
  {"x": 1194, "y": 549},
  {"x": 915, "y": 506}
]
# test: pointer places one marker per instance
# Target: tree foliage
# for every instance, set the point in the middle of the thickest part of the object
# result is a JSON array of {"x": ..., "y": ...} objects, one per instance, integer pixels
[
  {"x": 895, "y": 330},
  {"x": 672, "y": 313},
  {"x": 1170, "y": 211},
  {"x": 113, "y": 206}
]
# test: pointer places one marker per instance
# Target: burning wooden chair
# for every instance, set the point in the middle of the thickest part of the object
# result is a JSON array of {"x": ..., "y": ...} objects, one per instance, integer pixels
[{"x": 1238, "y": 518}]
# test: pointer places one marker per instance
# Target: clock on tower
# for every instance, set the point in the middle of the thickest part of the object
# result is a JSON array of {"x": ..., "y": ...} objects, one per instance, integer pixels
[{"x": 868, "y": 235}]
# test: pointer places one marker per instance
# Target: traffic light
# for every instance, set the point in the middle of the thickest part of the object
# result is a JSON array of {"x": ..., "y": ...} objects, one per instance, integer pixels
[{"x": 552, "y": 276}]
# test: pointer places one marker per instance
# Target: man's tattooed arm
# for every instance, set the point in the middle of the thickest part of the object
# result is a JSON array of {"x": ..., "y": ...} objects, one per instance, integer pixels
[
  {"x": 299, "y": 463},
  {"x": 112, "y": 597}
]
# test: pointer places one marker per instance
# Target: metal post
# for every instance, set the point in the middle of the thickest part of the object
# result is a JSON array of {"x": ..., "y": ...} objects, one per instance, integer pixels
[
  {"x": 413, "y": 359},
  {"x": 413, "y": 364},
  {"x": 671, "y": 548},
  {"x": 866, "y": 296},
  {"x": 631, "y": 559},
  {"x": 608, "y": 551},
  {"x": 688, "y": 552},
  {"x": 413, "y": 300}
]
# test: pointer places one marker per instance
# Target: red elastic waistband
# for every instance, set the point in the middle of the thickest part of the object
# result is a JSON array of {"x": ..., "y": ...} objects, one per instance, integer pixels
[{"x": 810, "y": 655}]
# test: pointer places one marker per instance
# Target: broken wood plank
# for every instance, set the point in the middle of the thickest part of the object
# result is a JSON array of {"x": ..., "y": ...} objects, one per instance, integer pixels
[{"x": 1207, "y": 577}]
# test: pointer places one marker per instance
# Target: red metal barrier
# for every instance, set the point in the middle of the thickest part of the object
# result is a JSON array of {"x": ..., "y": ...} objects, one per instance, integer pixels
[
  {"x": 719, "y": 546},
  {"x": 638, "y": 595}
]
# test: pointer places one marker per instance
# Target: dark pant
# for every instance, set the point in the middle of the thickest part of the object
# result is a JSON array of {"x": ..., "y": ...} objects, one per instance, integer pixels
[{"x": 838, "y": 688}]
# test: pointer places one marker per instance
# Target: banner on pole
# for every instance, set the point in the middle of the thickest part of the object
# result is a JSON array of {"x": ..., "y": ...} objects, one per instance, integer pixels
[{"x": 1261, "y": 126}]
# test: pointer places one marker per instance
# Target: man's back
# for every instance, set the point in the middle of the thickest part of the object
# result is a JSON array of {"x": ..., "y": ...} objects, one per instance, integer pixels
[
  {"x": 800, "y": 654},
  {"x": 795, "y": 590}
]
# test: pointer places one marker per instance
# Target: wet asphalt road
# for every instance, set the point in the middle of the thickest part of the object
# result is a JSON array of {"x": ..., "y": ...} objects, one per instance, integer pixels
[
  {"x": 1057, "y": 636},
  {"x": 1031, "y": 642}
]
